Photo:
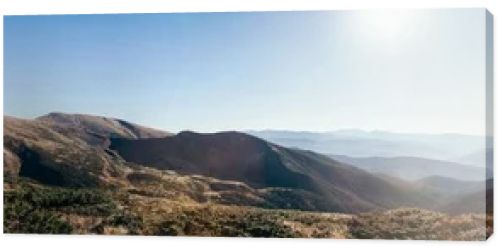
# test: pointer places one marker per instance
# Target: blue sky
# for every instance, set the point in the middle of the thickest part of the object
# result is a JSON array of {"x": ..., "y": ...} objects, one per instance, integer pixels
[{"x": 404, "y": 71}]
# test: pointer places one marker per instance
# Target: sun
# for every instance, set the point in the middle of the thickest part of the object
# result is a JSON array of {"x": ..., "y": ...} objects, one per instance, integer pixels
[{"x": 385, "y": 26}]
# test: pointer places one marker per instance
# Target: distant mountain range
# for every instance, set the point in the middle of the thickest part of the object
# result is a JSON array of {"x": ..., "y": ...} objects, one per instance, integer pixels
[
  {"x": 478, "y": 201},
  {"x": 415, "y": 168},
  {"x": 228, "y": 167},
  {"x": 464, "y": 149}
]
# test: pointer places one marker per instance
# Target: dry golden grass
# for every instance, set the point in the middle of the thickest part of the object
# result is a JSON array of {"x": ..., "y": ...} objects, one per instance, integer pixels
[
  {"x": 419, "y": 224},
  {"x": 132, "y": 199},
  {"x": 123, "y": 212}
]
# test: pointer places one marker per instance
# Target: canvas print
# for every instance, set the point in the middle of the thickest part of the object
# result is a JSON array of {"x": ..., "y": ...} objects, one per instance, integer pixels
[{"x": 362, "y": 124}]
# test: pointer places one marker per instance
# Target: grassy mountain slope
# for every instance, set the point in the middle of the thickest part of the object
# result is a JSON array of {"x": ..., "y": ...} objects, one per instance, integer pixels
[
  {"x": 59, "y": 179},
  {"x": 244, "y": 158},
  {"x": 97, "y": 130}
]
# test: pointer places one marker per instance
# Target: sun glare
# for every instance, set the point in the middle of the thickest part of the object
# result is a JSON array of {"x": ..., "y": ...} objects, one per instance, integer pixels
[{"x": 386, "y": 27}]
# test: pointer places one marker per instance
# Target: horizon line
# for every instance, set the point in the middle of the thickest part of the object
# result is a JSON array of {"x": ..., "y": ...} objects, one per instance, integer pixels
[{"x": 264, "y": 129}]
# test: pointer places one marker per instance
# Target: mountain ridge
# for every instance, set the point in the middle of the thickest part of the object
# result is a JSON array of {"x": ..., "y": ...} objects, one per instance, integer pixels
[
  {"x": 359, "y": 143},
  {"x": 85, "y": 150},
  {"x": 414, "y": 168},
  {"x": 242, "y": 157}
]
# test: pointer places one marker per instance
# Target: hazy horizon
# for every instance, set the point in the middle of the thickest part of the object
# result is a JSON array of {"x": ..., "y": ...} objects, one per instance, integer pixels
[
  {"x": 334, "y": 130},
  {"x": 415, "y": 71}
]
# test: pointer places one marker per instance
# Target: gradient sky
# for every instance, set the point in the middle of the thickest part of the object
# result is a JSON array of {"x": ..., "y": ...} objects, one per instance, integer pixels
[{"x": 404, "y": 71}]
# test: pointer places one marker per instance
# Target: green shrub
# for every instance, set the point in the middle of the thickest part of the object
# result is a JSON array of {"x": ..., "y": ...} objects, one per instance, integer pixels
[
  {"x": 36, "y": 209},
  {"x": 21, "y": 217}
]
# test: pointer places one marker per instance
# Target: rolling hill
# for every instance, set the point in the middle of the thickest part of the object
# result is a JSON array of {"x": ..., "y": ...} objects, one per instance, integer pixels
[
  {"x": 415, "y": 168},
  {"x": 479, "y": 201},
  {"x": 245, "y": 158},
  {"x": 96, "y": 130},
  {"x": 360, "y": 143},
  {"x": 91, "y": 174},
  {"x": 72, "y": 150}
]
